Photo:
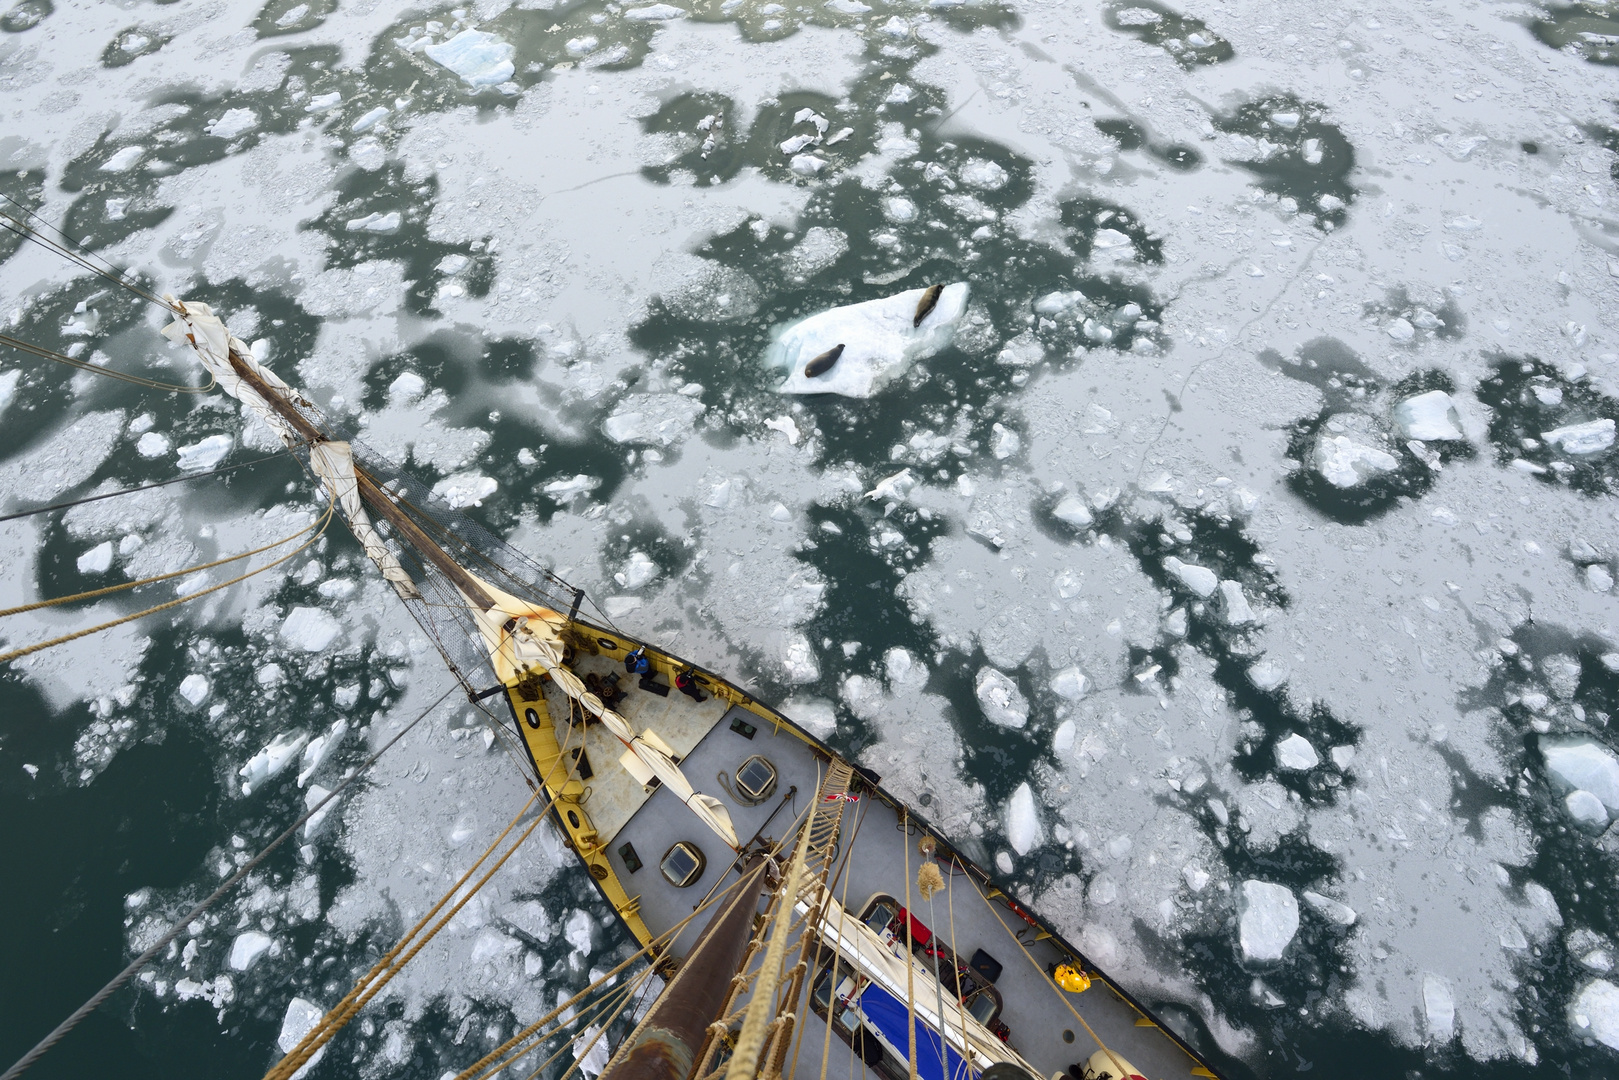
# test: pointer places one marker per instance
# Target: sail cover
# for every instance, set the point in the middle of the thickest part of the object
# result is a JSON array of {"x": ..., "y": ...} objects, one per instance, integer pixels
[{"x": 887, "y": 1015}]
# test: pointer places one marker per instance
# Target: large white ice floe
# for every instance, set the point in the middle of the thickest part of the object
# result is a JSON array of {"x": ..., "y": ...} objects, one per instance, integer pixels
[
  {"x": 309, "y": 629},
  {"x": 247, "y": 948},
  {"x": 1430, "y": 417},
  {"x": 1594, "y": 1013},
  {"x": 1023, "y": 829},
  {"x": 878, "y": 339},
  {"x": 205, "y": 454},
  {"x": 815, "y": 715},
  {"x": 1345, "y": 462},
  {"x": 1585, "y": 765},
  {"x": 479, "y": 58},
  {"x": 1200, "y": 579},
  {"x": 1003, "y": 703},
  {"x": 1268, "y": 917},
  {"x": 195, "y": 688},
  {"x": 1438, "y": 1008},
  {"x": 302, "y": 1016},
  {"x": 282, "y": 751},
  {"x": 1591, "y": 437},
  {"x": 1296, "y": 754}
]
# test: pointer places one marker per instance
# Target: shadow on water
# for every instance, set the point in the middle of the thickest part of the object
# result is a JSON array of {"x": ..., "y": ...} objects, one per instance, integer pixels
[
  {"x": 1587, "y": 30},
  {"x": 1530, "y": 398},
  {"x": 1298, "y": 155},
  {"x": 1187, "y": 39}
]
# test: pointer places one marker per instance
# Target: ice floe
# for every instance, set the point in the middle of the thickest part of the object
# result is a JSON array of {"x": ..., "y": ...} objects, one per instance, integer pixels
[
  {"x": 195, "y": 688},
  {"x": 1003, "y": 703},
  {"x": 878, "y": 338},
  {"x": 1346, "y": 462},
  {"x": 301, "y": 1017},
  {"x": 1591, "y": 437},
  {"x": 282, "y": 751},
  {"x": 815, "y": 715},
  {"x": 465, "y": 489},
  {"x": 207, "y": 453},
  {"x": 1199, "y": 579},
  {"x": 1429, "y": 417},
  {"x": 1594, "y": 1013},
  {"x": 309, "y": 629},
  {"x": 246, "y": 949},
  {"x": 1023, "y": 829},
  {"x": 98, "y": 560},
  {"x": 1296, "y": 754},
  {"x": 1268, "y": 918},
  {"x": 479, "y": 58},
  {"x": 1070, "y": 684},
  {"x": 1584, "y": 764},
  {"x": 1330, "y": 909}
]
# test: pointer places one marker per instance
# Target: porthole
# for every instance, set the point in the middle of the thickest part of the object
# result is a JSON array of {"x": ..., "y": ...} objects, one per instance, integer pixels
[
  {"x": 682, "y": 864},
  {"x": 756, "y": 779},
  {"x": 573, "y": 819},
  {"x": 533, "y": 718},
  {"x": 607, "y": 643}
]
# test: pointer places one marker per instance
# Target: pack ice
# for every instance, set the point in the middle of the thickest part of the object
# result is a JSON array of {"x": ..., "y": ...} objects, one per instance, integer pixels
[
  {"x": 878, "y": 341},
  {"x": 1584, "y": 765},
  {"x": 1268, "y": 917}
]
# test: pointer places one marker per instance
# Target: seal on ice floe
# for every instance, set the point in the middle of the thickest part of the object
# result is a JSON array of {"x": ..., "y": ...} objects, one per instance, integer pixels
[
  {"x": 880, "y": 339},
  {"x": 823, "y": 363},
  {"x": 925, "y": 306}
]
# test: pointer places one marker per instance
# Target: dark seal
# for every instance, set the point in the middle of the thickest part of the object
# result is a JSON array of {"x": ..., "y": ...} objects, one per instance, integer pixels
[
  {"x": 823, "y": 363},
  {"x": 929, "y": 301}
]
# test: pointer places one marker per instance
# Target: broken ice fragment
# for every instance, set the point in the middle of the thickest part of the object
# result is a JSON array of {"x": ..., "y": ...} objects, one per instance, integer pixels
[
  {"x": 194, "y": 688},
  {"x": 1438, "y": 1008},
  {"x": 1430, "y": 417},
  {"x": 1330, "y": 909},
  {"x": 232, "y": 123},
  {"x": 479, "y": 58},
  {"x": 247, "y": 948},
  {"x": 370, "y": 119},
  {"x": 301, "y": 1018},
  {"x": 98, "y": 560},
  {"x": 271, "y": 760},
  {"x": 1003, "y": 862},
  {"x": 1268, "y": 674},
  {"x": 465, "y": 489},
  {"x": 376, "y": 223},
  {"x": 1023, "y": 829},
  {"x": 638, "y": 570},
  {"x": 1346, "y": 463},
  {"x": 655, "y": 13},
  {"x": 1296, "y": 753},
  {"x": 565, "y": 491},
  {"x": 1589, "y": 438},
  {"x": 1072, "y": 510},
  {"x": 1594, "y": 1013},
  {"x": 815, "y": 715},
  {"x": 123, "y": 160},
  {"x": 1237, "y": 611},
  {"x": 1586, "y": 809},
  {"x": 1199, "y": 579},
  {"x": 205, "y": 454},
  {"x": 309, "y": 629},
  {"x": 1584, "y": 764},
  {"x": 984, "y": 175},
  {"x": 1401, "y": 330},
  {"x": 893, "y": 488},
  {"x": 799, "y": 660},
  {"x": 1070, "y": 684},
  {"x": 879, "y": 338},
  {"x": 1003, "y": 703},
  {"x": 1268, "y": 917}
]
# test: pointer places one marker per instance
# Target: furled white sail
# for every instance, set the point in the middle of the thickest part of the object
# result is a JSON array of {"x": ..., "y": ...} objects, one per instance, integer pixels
[
  {"x": 197, "y": 325},
  {"x": 333, "y": 462}
]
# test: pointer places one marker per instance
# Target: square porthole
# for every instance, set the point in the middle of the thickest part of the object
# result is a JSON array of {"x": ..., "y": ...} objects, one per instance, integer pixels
[{"x": 682, "y": 864}]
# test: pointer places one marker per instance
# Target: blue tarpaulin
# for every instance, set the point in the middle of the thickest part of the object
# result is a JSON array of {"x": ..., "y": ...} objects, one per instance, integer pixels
[{"x": 889, "y": 1016}]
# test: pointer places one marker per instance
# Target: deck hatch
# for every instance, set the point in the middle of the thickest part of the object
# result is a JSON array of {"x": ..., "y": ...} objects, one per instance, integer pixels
[
  {"x": 682, "y": 864},
  {"x": 632, "y": 861},
  {"x": 756, "y": 779}
]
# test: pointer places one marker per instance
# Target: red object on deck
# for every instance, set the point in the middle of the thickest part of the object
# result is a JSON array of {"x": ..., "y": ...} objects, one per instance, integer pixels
[{"x": 920, "y": 934}]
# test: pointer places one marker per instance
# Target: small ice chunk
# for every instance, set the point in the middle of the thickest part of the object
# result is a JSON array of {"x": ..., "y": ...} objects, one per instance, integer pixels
[
  {"x": 1237, "y": 610},
  {"x": 309, "y": 629},
  {"x": 195, "y": 689},
  {"x": 1070, "y": 684},
  {"x": 1401, "y": 330},
  {"x": 123, "y": 160},
  {"x": 657, "y": 13},
  {"x": 452, "y": 264},
  {"x": 1003, "y": 703},
  {"x": 302, "y": 1016},
  {"x": 1342, "y": 756},
  {"x": 232, "y": 123},
  {"x": 465, "y": 489},
  {"x": 879, "y": 339},
  {"x": 369, "y": 119},
  {"x": 1268, "y": 917},
  {"x": 893, "y": 488},
  {"x": 98, "y": 560},
  {"x": 565, "y": 491},
  {"x": 806, "y": 164},
  {"x": 322, "y": 102},
  {"x": 618, "y": 607},
  {"x": 1003, "y": 862},
  {"x": 902, "y": 667},
  {"x": 1597, "y": 578},
  {"x": 408, "y": 387},
  {"x": 848, "y": 7},
  {"x": 207, "y": 453},
  {"x": 658, "y": 419},
  {"x": 313, "y": 798},
  {"x": 639, "y": 570},
  {"x": 320, "y": 746},
  {"x": 787, "y": 426},
  {"x": 580, "y": 46},
  {"x": 1296, "y": 753},
  {"x": 1346, "y": 463},
  {"x": 1330, "y": 909},
  {"x": 1430, "y": 417},
  {"x": 1586, "y": 809},
  {"x": 897, "y": 208},
  {"x": 984, "y": 175},
  {"x": 1023, "y": 829},
  {"x": 797, "y": 143},
  {"x": 1584, "y": 764},
  {"x": 247, "y": 948},
  {"x": 1004, "y": 442},
  {"x": 1595, "y": 1013},
  {"x": 1199, "y": 579},
  {"x": 799, "y": 660},
  {"x": 1055, "y": 303},
  {"x": 281, "y": 752},
  {"x": 1289, "y": 120},
  {"x": 815, "y": 715},
  {"x": 1072, "y": 510},
  {"x": 1438, "y": 1008},
  {"x": 152, "y": 445},
  {"x": 1195, "y": 876},
  {"x": 1268, "y": 674},
  {"x": 1062, "y": 741},
  {"x": 1589, "y": 438},
  {"x": 376, "y": 223},
  {"x": 368, "y": 154}
]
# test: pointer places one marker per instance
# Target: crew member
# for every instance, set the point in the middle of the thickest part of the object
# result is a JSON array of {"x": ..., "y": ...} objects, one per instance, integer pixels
[{"x": 686, "y": 683}]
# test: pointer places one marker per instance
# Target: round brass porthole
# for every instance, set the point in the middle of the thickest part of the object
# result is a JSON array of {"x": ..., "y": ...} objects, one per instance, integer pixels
[{"x": 682, "y": 864}]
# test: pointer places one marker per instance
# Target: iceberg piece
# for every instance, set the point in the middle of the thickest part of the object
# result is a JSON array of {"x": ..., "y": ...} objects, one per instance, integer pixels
[
  {"x": 1070, "y": 684},
  {"x": 1345, "y": 462},
  {"x": 376, "y": 223},
  {"x": 893, "y": 488},
  {"x": 123, "y": 160},
  {"x": 309, "y": 629},
  {"x": 271, "y": 760},
  {"x": 1296, "y": 753},
  {"x": 1199, "y": 579},
  {"x": 1267, "y": 674},
  {"x": 1071, "y": 509},
  {"x": 247, "y": 948},
  {"x": 1023, "y": 829},
  {"x": 565, "y": 491},
  {"x": 878, "y": 337},
  {"x": 98, "y": 560},
  {"x": 465, "y": 489},
  {"x": 207, "y": 453},
  {"x": 479, "y": 58},
  {"x": 302, "y": 1016},
  {"x": 1438, "y": 1008},
  {"x": 639, "y": 570},
  {"x": 1237, "y": 610},
  {"x": 984, "y": 175},
  {"x": 1587, "y": 809},
  {"x": 370, "y": 119},
  {"x": 322, "y": 102},
  {"x": 1330, "y": 909},
  {"x": 1430, "y": 417},
  {"x": 195, "y": 689},
  {"x": 1584, "y": 764},
  {"x": 1003, "y": 703},
  {"x": 655, "y": 13},
  {"x": 232, "y": 123},
  {"x": 798, "y": 657},
  {"x": 313, "y": 798},
  {"x": 1595, "y": 1013},
  {"x": 1588, "y": 438},
  {"x": 1268, "y": 917},
  {"x": 318, "y": 748}
]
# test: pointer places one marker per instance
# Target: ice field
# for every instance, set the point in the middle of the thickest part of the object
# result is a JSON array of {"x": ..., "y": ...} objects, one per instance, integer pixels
[{"x": 1228, "y": 560}]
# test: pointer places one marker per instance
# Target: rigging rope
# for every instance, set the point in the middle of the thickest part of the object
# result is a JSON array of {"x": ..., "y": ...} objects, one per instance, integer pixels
[
  {"x": 213, "y": 898},
  {"x": 143, "y": 487},
  {"x": 28, "y": 649},
  {"x": 79, "y": 257},
  {"x": 93, "y": 593},
  {"x": 85, "y": 365}
]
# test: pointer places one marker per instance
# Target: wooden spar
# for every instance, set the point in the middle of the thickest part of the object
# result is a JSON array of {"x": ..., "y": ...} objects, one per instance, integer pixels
[
  {"x": 666, "y": 1045},
  {"x": 373, "y": 495}
]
